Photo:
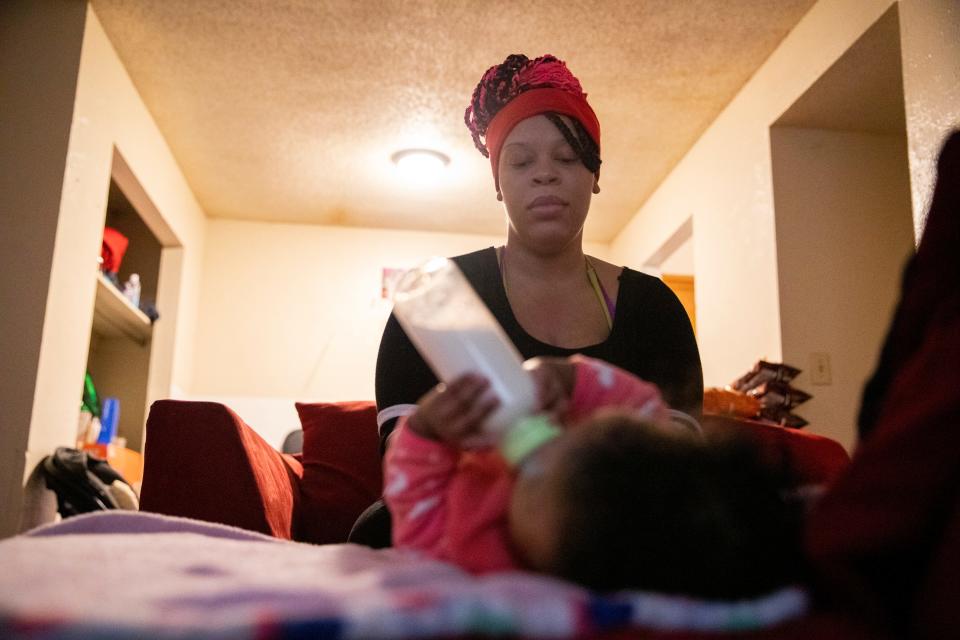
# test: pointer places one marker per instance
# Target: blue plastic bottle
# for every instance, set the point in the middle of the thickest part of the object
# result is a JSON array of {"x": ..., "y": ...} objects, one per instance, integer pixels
[{"x": 110, "y": 418}]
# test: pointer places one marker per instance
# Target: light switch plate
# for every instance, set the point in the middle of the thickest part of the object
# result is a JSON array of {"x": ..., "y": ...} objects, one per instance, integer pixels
[{"x": 820, "y": 369}]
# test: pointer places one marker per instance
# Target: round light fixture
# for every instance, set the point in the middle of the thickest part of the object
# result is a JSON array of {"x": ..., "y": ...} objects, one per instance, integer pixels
[{"x": 420, "y": 165}]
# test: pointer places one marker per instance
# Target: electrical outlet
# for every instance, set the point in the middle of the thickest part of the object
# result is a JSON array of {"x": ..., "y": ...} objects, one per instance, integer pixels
[{"x": 820, "y": 369}]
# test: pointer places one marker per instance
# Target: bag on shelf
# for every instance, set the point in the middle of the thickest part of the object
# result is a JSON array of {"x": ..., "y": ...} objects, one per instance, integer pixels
[
  {"x": 768, "y": 383},
  {"x": 84, "y": 483},
  {"x": 762, "y": 372},
  {"x": 778, "y": 395},
  {"x": 112, "y": 250}
]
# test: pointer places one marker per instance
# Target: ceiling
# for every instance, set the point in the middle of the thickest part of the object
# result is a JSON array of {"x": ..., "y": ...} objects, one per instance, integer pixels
[
  {"x": 861, "y": 91},
  {"x": 288, "y": 111}
]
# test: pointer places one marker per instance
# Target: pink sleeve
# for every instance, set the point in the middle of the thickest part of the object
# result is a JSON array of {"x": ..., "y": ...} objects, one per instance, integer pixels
[
  {"x": 449, "y": 505},
  {"x": 417, "y": 472},
  {"x": 599, "y": 384}
]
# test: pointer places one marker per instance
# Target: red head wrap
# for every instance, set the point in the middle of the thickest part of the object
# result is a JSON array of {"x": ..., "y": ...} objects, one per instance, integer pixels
[{"x": 519, "y": 89}]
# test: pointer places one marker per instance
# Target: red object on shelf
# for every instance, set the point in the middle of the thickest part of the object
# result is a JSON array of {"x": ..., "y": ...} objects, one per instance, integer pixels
[
  {"x": 114, "y": 246},
  {"x": 97, "y": 449}
]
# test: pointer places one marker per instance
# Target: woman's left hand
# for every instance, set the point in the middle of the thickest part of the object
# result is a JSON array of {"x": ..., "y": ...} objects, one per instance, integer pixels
[{"x": 553, "y": 378}]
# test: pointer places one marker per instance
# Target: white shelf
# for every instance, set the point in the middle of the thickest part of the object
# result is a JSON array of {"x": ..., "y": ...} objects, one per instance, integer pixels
[{"x": 115, "y": 316}]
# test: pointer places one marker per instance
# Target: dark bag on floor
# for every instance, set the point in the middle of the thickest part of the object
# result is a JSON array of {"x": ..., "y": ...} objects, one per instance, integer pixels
[{"x": 80, "y": 481}]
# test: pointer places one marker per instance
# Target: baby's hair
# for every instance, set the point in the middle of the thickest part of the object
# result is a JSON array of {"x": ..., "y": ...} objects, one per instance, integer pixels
[
  {"x": 515, "y": 75},
  {"x": 644, "y": 508}
]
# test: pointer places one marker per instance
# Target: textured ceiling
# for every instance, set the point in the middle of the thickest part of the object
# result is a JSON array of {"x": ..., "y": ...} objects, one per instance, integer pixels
[{"x": 288, "y": 111}]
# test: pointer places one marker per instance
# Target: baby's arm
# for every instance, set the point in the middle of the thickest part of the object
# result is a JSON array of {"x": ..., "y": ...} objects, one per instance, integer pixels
[
  {"x": 601, "y": 385},
  {"x": 422, "y": 459},
  {"x": 417, "y": 472}
]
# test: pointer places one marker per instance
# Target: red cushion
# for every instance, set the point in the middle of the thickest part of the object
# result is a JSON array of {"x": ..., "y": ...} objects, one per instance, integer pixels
[
  {"x": 341, "y": 468},
  {"x": 809, "y": 458},
  {"x": 202, "y": 461}
]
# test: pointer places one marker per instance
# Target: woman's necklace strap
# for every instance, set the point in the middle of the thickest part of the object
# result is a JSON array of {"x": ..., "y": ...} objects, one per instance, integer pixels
[{"x": 592, "y": 278}]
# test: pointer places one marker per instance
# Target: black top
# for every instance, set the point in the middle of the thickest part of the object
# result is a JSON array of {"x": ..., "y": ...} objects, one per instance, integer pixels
[{"x": 651, "y": 337}]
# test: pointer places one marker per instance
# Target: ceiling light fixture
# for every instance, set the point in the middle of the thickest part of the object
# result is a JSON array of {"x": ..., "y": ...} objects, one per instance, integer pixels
[{"x": 420, "y": 165}]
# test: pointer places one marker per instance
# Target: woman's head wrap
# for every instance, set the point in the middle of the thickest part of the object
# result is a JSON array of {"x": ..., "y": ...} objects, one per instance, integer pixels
[{"x": 520, "y": 88}]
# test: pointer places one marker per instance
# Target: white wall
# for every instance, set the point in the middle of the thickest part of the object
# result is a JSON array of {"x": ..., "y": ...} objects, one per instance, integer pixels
[
  {"x": 844, "y": 232},
  {"x": 107, "y": 113},
  {"x": 725, "y": 182},
  {"x": 680, "y": 261},
  {"x": 36, "y": 41},
  {"x": 293, "y": 312}
]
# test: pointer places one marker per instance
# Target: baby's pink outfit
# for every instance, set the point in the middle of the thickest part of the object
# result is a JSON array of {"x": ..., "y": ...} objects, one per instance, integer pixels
[{"x": 453, "y": 504}]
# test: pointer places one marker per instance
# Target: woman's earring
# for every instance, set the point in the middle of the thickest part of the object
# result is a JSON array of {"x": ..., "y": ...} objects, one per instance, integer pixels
[{"x": 499, "y": 196}]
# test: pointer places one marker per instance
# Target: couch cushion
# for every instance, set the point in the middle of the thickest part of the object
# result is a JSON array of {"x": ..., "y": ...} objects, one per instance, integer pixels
[
  {"x": 341, "y": 468},
  {"x": 806, "y": 457},
  {"x": 202, "y": 461}
]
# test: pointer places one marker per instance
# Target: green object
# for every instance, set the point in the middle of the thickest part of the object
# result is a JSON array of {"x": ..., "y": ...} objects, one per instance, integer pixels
[
  {"x": 526, "y": 436},
  {"x": 90, "y": 402}
]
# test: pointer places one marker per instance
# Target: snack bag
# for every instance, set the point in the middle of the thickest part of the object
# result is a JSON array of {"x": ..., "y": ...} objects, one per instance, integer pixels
[{"x": 762, "y": 372}]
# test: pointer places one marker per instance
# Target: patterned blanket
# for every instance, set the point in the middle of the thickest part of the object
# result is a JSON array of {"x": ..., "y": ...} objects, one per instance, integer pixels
[{"x": 122, "y": 574}]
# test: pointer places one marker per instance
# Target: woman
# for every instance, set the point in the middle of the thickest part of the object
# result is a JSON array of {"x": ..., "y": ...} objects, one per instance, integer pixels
[{"x": 532, "y": 119}]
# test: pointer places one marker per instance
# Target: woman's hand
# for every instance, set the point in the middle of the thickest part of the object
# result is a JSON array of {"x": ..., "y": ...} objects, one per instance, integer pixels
[
  {"x": 553, "y": 378},
  {"x": 454, "y": 412}
]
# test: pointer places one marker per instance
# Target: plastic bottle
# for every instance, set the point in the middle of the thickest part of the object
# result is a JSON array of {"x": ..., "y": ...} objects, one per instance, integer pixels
[
  {"x": 455, "y": 333},
  {"x": 90, "y": 402},
  {"x": 83, "y": 426},
  {"x": 93, "y": 431},
  {"x": 110, "y": 421},
  {"x": 131, "y": 290}
]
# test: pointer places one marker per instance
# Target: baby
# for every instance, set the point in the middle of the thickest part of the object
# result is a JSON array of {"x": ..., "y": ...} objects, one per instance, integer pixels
[{"x": 620, "y": 496}]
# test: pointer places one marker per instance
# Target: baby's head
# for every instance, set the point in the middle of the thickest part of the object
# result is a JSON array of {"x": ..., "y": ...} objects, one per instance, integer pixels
[{"x": 625, "y": 504}]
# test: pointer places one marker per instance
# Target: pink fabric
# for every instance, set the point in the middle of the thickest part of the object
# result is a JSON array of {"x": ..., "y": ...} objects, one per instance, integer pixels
[
  {"x": 126, "y": 574},
  {"x": 602, "y": 385},
  {"x": 450, "y": 504},
  {"x": 453, "y": 504}
]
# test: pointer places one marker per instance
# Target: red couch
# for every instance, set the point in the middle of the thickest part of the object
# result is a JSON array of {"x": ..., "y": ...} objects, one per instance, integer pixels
[{"x": 204, "y": 462}]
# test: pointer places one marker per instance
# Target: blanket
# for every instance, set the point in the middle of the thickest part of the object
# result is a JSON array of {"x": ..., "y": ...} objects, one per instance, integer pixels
[{"x": 122, "y": 574}]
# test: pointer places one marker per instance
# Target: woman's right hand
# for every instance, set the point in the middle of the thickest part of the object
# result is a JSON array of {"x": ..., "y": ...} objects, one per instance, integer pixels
[{"x": 454, "y": 412}]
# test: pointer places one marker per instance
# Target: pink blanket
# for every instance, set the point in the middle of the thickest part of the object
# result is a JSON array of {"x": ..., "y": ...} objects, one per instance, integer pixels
[{"x": 122, "y": 574}]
